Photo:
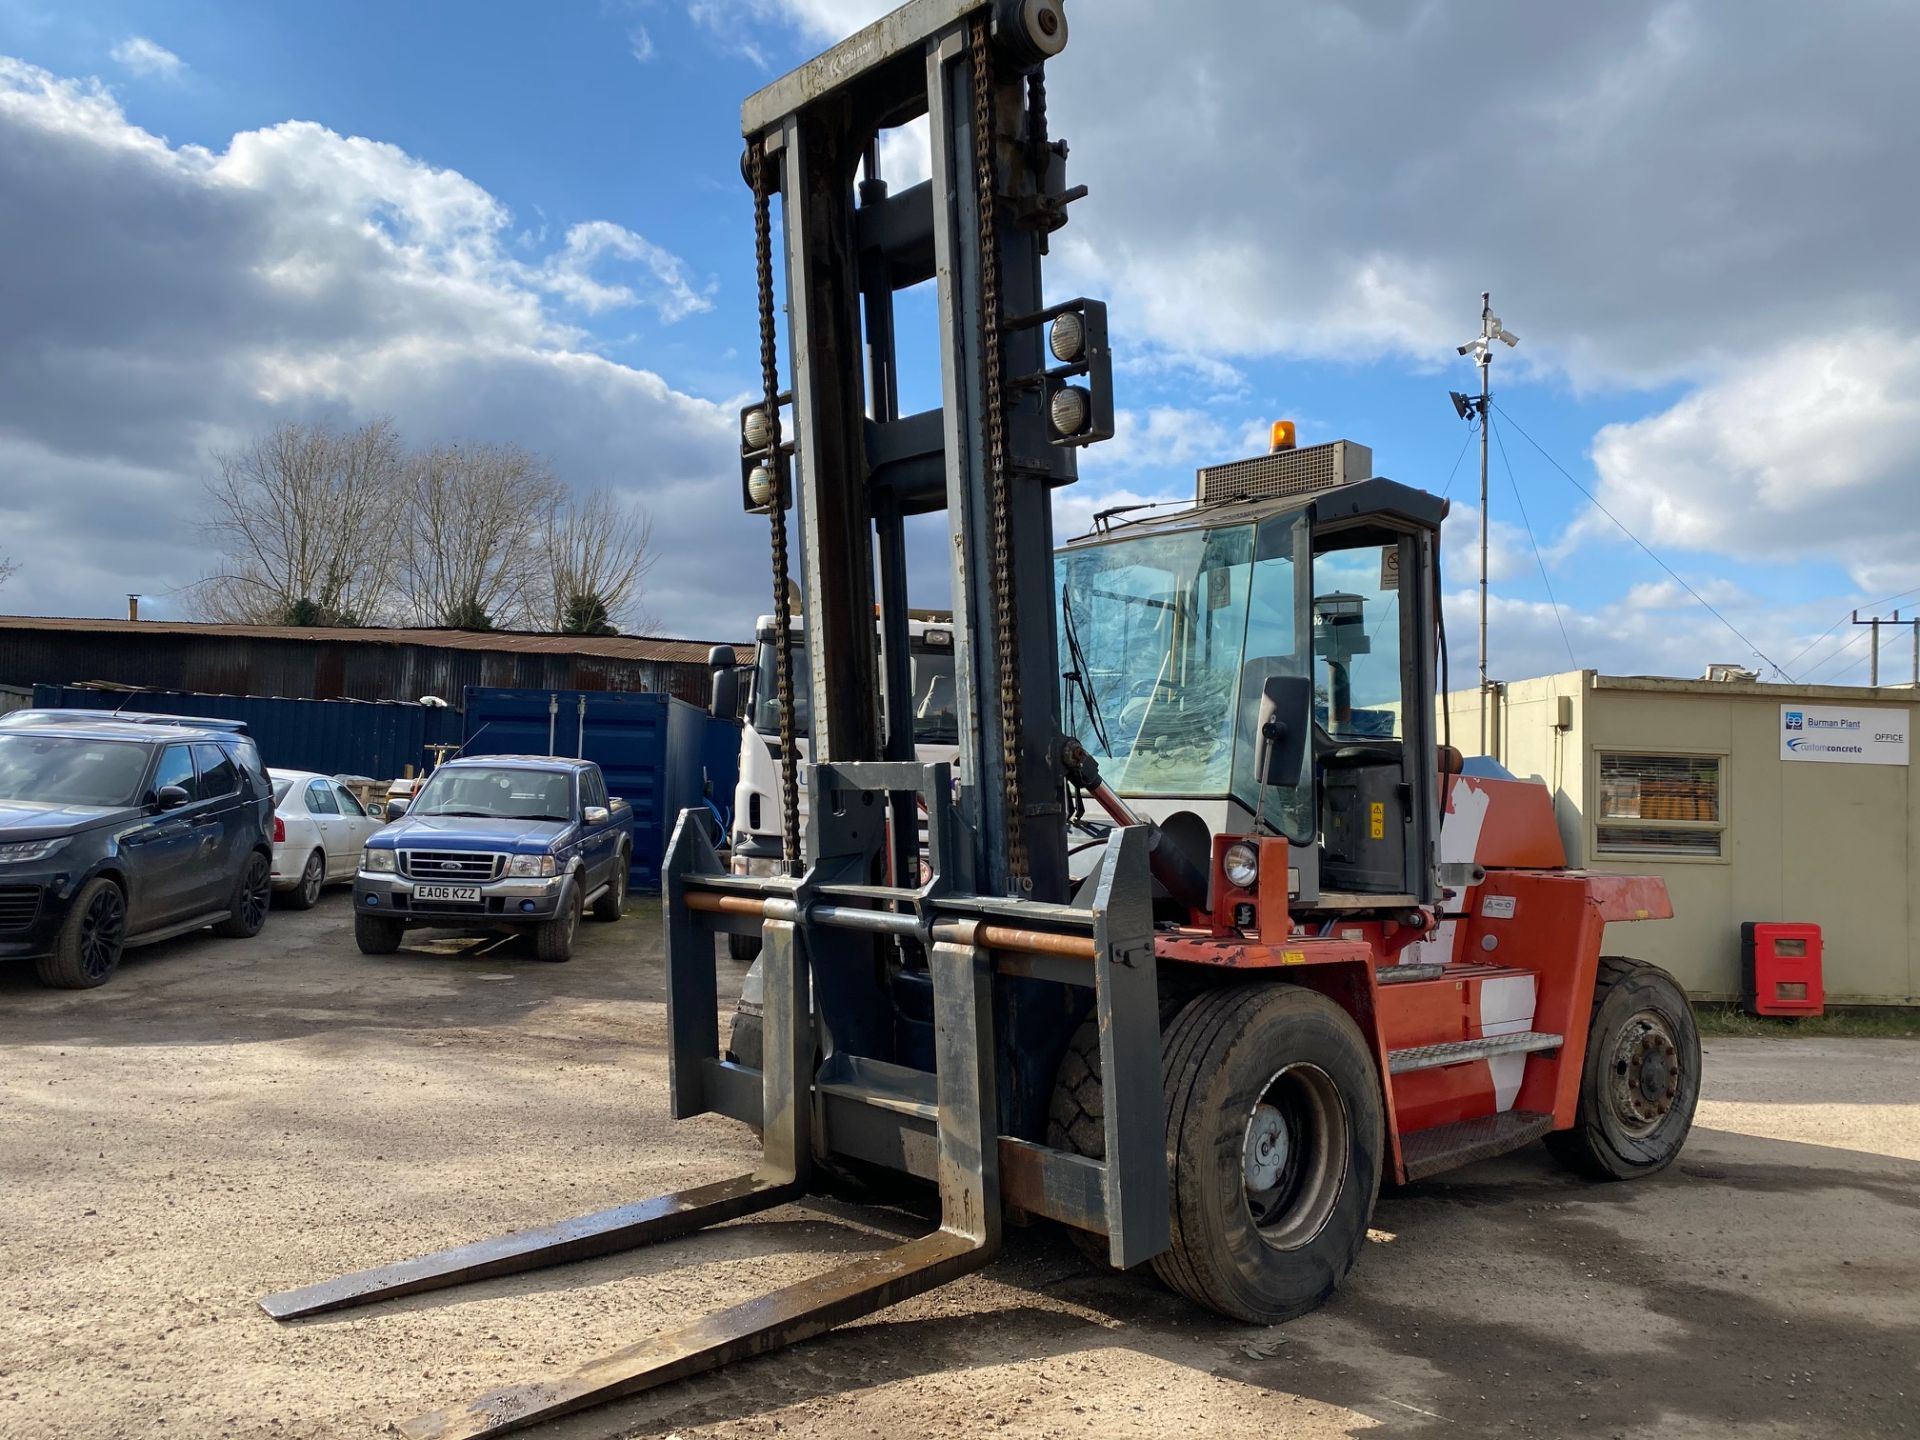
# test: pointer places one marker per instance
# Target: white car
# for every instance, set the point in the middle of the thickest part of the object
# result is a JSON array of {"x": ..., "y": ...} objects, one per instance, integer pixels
[{"x": 318, "y": 832}]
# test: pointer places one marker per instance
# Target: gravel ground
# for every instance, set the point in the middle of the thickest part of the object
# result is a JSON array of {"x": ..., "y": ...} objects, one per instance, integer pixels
[{"x": 229, "y": 1118}]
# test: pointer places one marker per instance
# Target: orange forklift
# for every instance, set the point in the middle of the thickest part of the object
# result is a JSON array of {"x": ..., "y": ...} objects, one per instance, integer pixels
[{"x": 1212, "y": 932}]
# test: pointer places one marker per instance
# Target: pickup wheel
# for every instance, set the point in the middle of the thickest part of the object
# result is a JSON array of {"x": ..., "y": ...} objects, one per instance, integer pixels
[
  {"x": 87, "y": 949},
  {"x": 553, "y": 939},
  {"x": 376, "y": 934},
  {"x": 612, "y": 903}
]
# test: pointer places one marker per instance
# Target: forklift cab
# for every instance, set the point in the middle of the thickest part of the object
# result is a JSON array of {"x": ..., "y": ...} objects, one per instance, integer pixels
[{"x": 1170, "y": 628}]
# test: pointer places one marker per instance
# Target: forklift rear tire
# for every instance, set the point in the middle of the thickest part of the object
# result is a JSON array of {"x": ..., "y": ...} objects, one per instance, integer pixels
[
  {"x": 744, "y": 948},
  {"x": 1641, "y": 1079},
  {"x": 376, "y": 934},
  {"x": 1267, "y": 1086}
]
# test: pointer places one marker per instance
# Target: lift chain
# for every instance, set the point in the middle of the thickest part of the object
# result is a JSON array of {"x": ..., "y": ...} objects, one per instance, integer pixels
[
  {"x": 782, "y": 602},
  {"x": 999, "y": 488}
]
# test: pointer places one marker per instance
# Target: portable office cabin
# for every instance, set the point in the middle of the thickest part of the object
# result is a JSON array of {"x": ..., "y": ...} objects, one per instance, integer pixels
[{"x": 1752, "y": 801}]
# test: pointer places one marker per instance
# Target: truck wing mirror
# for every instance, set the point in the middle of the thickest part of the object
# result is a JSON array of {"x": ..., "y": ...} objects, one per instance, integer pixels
[
  {"x": 725, "y": 703},
  {"x": 1286, "y": 719},
  {"x": 397, "y": 807},
  {"x": 596, "y": 814}
]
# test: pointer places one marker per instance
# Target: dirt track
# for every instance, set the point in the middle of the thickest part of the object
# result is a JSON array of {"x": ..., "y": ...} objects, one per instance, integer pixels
[{"x": 230, "y": 1118}]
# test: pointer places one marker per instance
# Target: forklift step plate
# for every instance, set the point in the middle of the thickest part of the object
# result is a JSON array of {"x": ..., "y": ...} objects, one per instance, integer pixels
[
  {"x": 1456, "y": 1052},
  {"x": 1445, "y": 1147}
]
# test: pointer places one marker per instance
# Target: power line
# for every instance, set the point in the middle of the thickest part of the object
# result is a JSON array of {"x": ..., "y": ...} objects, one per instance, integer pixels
[
  {"x": 1537, "y": 560},
  {"x": 1843, "y": 620},
  {"x": 1642, "y": 544},
  {"x": 1848, "y": 644},
  {"x": 1456, "y": 465}
]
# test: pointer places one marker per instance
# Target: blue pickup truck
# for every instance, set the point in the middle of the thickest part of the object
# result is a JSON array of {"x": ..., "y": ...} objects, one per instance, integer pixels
[{"x": 504, "y": 842}]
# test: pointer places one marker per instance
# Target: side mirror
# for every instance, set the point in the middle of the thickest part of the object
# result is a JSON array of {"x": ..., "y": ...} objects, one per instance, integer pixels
[
  {"x": 596, "y": 814},
  {"x": 725, "y": 704},
  {"x": 396, "y": 808},
  {"x": 376, "y": 811},
  {"x": 171, "y": 797},
  {"x": 1286, "y": 720}
]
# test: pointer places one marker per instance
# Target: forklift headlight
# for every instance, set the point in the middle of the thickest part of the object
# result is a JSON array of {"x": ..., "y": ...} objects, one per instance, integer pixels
[
  {"x": 761, "y": 485},
  {"x": 1068, "y": 338},
  {"x": 1242, "y": 866},
  {"x": 1070, "y": 409},
  {"x": 757, "y": 430}
]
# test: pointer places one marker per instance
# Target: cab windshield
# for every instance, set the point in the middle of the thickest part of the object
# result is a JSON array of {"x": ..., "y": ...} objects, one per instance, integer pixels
[{"x": 1166, "y": 641}]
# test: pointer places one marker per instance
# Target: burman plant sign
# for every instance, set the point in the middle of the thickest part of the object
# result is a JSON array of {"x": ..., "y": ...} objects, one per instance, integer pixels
[{"x": 1843, "y": 735}]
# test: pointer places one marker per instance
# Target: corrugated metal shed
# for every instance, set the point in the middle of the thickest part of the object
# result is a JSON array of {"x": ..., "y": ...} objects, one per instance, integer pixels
[{"x": 330, "y": 664}]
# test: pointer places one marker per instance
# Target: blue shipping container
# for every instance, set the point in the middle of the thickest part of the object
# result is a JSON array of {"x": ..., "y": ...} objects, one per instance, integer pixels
[
  {"x": 375, "y": 738},
  {"x": 648, "y": 746}
]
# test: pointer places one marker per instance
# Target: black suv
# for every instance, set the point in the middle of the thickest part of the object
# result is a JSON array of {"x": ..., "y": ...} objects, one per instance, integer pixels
[{"x": 117, "y": 834}]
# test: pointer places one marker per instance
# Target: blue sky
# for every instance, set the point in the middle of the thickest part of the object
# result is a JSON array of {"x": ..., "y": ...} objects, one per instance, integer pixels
[{"x": 548, "y": 243}]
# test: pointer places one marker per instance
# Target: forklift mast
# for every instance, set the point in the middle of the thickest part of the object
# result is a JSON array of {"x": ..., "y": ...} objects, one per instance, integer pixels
[{"x": 989, "y": 456}]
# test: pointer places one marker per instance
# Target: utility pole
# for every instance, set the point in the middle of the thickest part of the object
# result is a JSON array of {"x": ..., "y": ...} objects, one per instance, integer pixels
[
  {"x": 1873, "y": 662},
  {"x": 1470, "y": 408}
]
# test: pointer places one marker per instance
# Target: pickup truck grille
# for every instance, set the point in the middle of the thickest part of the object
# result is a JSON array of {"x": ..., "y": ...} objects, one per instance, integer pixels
[
  {"x": 455, "y": 865},
  {"x": 18, "y": 905}
]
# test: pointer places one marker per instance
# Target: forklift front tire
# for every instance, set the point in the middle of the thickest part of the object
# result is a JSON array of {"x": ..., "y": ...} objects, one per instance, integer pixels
[
  {"x": 1274, "y": 1140},
  {"x": 744, "y": 948},
  {"x": 1641, "y": 1079}
]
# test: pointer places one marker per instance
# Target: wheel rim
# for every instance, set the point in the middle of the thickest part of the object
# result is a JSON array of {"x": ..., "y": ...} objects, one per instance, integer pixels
[
  {"x": 310, "y": 881},
  {"x": 1293, "y": 1156},
  {"x": 1644, "y": 1073},
  {"x": 102, "y": 928},
  {"x": 253, "y": 901}
]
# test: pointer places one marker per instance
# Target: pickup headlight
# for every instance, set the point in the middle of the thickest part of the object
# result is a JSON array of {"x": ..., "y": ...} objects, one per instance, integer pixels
[
  {"x": 22, "y": 851},
  {"x": 377, "y": 862},
  {"x": 523, "y": 867}
]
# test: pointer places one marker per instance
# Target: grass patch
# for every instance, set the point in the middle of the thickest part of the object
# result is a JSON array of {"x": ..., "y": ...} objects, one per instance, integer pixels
[{"x": 1721, "y": 1019}]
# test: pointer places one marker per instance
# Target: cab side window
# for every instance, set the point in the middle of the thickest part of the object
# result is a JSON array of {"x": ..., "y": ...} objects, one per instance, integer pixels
[
  {"x": 176, "y": 768},
  {"x": 320, "y": 799},
  {"x": 219, "y": 777},
  {"x": 593, "y": 789},
  {"x": 348, "y": 804}
]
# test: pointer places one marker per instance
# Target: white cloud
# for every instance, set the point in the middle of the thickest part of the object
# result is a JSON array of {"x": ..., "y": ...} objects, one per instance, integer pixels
[
  {"x": 142, "y": 56},
  {"x": 1807, "y": 451},
  {"x": 640, "y": 43},
  {"x": 165, "y": 301}
]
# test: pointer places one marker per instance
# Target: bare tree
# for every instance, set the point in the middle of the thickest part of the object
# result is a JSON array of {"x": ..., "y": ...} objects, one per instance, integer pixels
[
  {"x": 9, "y": 567},
  {"x": 598, "y": 553},
  {"x": 303, "y": 521},
  {"x": 475, "y": 553}
]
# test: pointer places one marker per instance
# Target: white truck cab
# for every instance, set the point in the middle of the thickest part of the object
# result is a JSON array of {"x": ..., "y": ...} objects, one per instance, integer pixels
[{"x": 756, "y": 842}]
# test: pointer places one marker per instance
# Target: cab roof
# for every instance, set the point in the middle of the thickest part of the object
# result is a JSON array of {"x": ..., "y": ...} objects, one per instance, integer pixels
[{"x": 1363, "y": 499}]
